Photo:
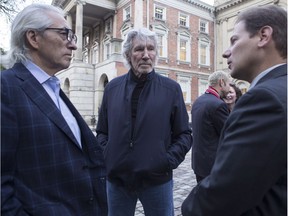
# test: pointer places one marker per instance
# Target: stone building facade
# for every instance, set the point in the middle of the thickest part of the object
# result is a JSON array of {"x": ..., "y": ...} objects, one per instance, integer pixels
[
  {"x": 185, "y": 31},
  {"x": 192, "y": 36},
  {"x": 226, "y": 12}
]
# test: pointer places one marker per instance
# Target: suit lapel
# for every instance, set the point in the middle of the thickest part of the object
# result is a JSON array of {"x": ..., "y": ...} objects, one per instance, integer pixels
[
  {"x": 86, "y": 134},
  {"x": 40, "y": 97}
]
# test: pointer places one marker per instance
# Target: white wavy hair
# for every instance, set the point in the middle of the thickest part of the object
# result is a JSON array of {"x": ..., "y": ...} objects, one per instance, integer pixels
[
  {"x": 34, "y": 16},
  {"x": 142, "y": 34}
]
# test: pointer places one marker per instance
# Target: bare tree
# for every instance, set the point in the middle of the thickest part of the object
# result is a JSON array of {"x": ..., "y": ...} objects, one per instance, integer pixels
[{"x": 8, "y": 8}]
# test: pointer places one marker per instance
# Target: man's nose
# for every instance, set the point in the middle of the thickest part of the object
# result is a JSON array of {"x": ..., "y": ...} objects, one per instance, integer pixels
[
  {"x": 226, "y": 54},
  {"x": 145, "y": 54},
  {"x": 72, "y": 45}
]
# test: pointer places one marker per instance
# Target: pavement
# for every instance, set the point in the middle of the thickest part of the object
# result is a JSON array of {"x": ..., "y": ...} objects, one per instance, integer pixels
[{"x": 184, "y": 180}]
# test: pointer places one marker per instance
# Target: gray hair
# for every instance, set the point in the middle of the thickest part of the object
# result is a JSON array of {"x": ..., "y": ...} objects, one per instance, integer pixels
[
  {"x": 142, "y": 34},
  {"x": 34, "y": 16},
  {"x": 216, "y": 76}
]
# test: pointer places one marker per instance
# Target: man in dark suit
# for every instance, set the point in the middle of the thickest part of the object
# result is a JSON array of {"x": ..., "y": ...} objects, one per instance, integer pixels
[
  {"x": 51, "y": 163},
  {"x": 209, "y": 113},
  {"x": 249, "y": 176}
]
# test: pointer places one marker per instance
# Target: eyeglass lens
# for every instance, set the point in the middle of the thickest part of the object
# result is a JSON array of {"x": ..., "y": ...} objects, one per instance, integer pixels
[{"x": 71, "y": 36}]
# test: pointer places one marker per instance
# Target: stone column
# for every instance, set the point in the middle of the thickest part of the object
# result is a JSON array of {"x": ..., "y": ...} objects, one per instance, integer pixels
[
  {"x": 79, "y": 29},
  {"x": 138, "y": 15},
  {"x": 69, "y": 19}
]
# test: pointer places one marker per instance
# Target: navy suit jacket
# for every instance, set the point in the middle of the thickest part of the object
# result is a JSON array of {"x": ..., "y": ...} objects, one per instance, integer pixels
[
  {"x": 43, "y": 169},
  {"x": 209, "y": 114},
  {"x": 249, "y": 176}
]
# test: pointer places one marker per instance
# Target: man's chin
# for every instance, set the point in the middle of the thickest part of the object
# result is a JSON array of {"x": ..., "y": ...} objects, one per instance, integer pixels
[{"x": 145, "y": 70}]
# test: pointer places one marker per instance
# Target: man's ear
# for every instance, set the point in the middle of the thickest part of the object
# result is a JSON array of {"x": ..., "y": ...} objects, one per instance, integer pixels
[
  {"x": 220, "y": 83},
  {"x": 265, "y": 34},
  {"x": 32, "y": 38}
]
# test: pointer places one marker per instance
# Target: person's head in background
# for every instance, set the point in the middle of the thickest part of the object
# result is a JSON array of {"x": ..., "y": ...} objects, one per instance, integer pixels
[
  {"x": 41, "y": 34},
  {"x": 220, "y": 80},
  {"x": 258, "y": 42},
  {"x": 140, "y": 51},
  {"x": 233, "y": 96}
]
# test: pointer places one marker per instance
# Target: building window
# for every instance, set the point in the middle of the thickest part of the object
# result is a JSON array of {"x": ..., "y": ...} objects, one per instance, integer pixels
[
  {"x": 160, "y": 44},
  {"x": 162, "y": 35},
  {"x": 204, "y": 52},
  {"x": 243, "y": 86},
  {"x": 185, "y": 83},
  {"x": 95, "y": 53},
  {"x": 203, "y": 27},
  {"x": 184, "y": 46},
  {"x": 108, "y": 26},
  {"x": 85, "y": 56},
  {"x": 124, "y": 31},
  {"x": 183, "y": 52},
  {"x": 202, "y": 86},
  {"x": 86, "y": 40},
  {"x": 107, "y": 50},
  {"x": 127, "y": 13},
  {"x": 183, "y": 20},
  {"x": 159, "y": 13}
]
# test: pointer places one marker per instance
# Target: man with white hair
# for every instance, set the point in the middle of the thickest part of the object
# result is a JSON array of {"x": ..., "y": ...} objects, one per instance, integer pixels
[
  {"x": 143, "y": 127},
  {"x": 51, "y": 163},
  {"x": 209, "y": 113}
]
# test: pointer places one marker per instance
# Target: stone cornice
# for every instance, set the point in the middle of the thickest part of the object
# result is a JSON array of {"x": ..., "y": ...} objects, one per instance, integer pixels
[
  {"x": 201, "y": 4},
  {"x": 228, "y": 5}
]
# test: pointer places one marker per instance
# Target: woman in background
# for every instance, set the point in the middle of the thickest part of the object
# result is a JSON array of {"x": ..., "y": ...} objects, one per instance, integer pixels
[{"x": 232, "y": 97}]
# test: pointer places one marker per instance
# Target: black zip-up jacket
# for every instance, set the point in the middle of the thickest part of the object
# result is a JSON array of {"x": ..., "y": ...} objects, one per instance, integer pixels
[{"x": 161, "y": 136}]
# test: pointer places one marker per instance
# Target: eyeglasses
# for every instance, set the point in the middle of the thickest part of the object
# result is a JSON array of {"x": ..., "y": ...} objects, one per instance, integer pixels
[{"x": 66, "y": 33}]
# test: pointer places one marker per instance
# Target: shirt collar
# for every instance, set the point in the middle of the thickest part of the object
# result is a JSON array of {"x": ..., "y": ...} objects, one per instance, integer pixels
[
  {"x": 36, "y": 71},
  {"x": 262, "y": 74},
  {"x": 212, "y": 91},
  {"x": 147, "y": 76}
]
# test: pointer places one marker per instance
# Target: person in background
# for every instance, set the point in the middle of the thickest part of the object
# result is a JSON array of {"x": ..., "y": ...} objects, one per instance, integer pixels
[
  {"x": 233, "y": 96},
  {"x": 249, "y": 176},
  {"x": 51, "y": 163},
  {"x": 143, "y": 128},
  {"x": 209, "y": 113}
]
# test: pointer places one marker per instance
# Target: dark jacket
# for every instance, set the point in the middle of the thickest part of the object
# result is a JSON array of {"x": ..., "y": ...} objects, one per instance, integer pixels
[
  {"x": 209, "y": 114},
  {"x": 249, "y": 177},
  {"x": 43, "y": 169},
  {"x": 161, "y": 136}
]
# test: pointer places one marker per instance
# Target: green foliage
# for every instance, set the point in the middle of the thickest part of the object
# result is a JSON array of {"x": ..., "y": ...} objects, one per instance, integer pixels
[
  {"x": 2, "y": 68},
  {"x": 2, "y": 51}
]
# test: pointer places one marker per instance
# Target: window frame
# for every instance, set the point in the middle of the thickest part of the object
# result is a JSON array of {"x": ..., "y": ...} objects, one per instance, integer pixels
[
  {"x": 206, "y": 26},
  {"x": 184, "y": 36},
  {"x": 186, "y": 20},
  {"x": 125, "y": 14},
  {"x": 163, "y": 15},
  {"x": 204, "y": 42},
  {"x": 185, "y": 84},
  {"x": 202, "y": 86}
]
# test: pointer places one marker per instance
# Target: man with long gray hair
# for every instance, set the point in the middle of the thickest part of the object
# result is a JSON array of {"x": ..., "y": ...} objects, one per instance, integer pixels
[
  {"x": 51, "y": 163},
  {"x": 143, "y": 127}
]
